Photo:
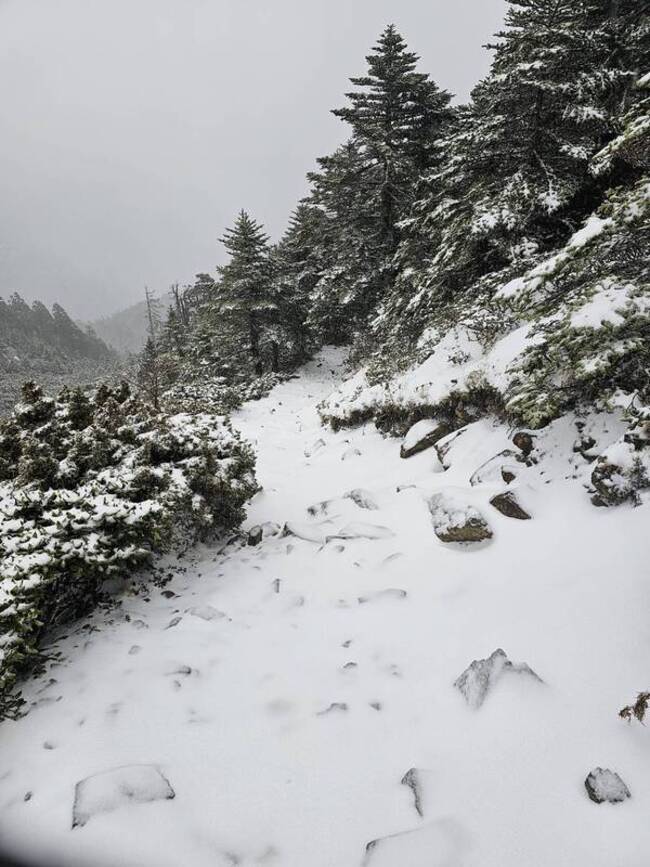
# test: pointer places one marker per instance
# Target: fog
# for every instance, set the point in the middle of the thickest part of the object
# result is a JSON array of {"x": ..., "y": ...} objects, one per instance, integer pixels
[{"x": 132, "y": 131}]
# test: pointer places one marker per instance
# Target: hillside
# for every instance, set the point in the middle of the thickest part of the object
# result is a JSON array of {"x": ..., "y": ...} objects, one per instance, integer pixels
[
  {"x": 354, "y": 571},
  {"x": 38, "y": 344},
  {"x": 300, "y": 680},
  {"x": 126, "y": 330}
]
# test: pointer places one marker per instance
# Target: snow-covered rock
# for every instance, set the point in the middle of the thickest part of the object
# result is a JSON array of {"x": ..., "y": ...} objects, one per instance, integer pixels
[
  {"x": 363, "y": 499},
  {"x": 417, "y": 781},
  {"x": 110, "y": 790},
  {"x": 480, "y": 677},
  {"x": 605, "y": 785},
  {"x": 456, "y": 520},
  {"x": 442, "y": 843},
  {"x": 361, "y": 530},
  {"x": 302, "y": 530},
  {"x": 422, "y": 435},
  {"x": 500, "y": 468}
]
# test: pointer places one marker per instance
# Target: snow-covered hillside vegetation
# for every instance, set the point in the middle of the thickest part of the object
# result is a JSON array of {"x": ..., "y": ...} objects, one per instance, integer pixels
[
  {"x": 344, "y": 672},
  {"x": 422, "y": 640}
]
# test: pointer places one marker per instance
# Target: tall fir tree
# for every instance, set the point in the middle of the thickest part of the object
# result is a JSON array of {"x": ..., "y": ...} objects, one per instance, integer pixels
[
  {"x": 366, "y": 187},
  {"x": 247, "y": 299},
  {"x": 516, "y": 181}
]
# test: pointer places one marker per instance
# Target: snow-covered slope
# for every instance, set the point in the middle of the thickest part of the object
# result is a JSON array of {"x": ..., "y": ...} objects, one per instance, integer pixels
[{"x": 284, "y": 691}]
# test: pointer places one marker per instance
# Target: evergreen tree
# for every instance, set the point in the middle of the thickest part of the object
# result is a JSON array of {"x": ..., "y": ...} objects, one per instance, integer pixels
[
  {"x": 516, "y": 180},
  {"x": 247, "y": 301},
  {"x": 367, "y": 187}
]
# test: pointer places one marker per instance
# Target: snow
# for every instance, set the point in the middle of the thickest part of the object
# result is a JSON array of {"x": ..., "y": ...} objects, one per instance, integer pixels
[{"x": 303, "y": 709}]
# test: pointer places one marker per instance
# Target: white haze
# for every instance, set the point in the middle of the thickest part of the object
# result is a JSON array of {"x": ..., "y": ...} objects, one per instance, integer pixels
[{"x": 132, "y": 131}]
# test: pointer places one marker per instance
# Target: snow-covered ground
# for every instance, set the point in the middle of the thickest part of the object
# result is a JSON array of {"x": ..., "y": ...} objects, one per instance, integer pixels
[{"x": 284, "y": 691}]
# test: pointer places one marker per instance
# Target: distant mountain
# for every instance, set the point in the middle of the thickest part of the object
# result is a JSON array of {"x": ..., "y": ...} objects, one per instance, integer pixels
[
  {"x": 126, "y": 330},
  {"x": 49, "y": 347},
  {"x": 33, "y": 339}
]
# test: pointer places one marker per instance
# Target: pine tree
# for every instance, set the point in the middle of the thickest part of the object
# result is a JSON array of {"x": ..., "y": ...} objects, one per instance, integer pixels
[
  {"x": 366, "y": 187},
  {"x": 246, "y": 298},
  {"x": 149, "y": 373},
  {"x": 516, "y": 179}
]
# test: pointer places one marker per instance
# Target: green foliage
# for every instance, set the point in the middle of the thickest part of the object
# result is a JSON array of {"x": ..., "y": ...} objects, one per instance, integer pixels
[{"x": 94, "y": 489}]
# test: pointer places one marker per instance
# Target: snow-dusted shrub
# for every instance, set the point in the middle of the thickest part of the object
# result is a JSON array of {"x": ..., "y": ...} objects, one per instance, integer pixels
[
  {"x": 216, "y": 395},
  {"x": 92, "y": 489}
]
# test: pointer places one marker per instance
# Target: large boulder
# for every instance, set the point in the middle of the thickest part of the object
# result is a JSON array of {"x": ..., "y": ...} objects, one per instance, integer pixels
[
  {"x": 605, "y": 785},
  {"x": 480, "y": 677},
  {"x": 422, "y": 435},
  {"x": 508, "y": 505},
  {"x": 119, "y": 787},
  {"x": 455, "y": 520}
]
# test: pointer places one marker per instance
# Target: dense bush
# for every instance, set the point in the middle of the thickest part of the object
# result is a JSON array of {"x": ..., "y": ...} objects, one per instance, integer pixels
[{"x": 94, "y": 488}]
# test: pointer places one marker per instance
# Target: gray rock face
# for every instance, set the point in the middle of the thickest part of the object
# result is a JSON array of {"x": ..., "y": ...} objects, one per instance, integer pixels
[
  {"x": 110, "y": 790},
  {"x": 508, "y": 505},
  {"x": 422, "y": 435},
  {"x": 457, "y": 521},
  {"x": 605, "y": 785},
  {"x": 477, "y": 680}
]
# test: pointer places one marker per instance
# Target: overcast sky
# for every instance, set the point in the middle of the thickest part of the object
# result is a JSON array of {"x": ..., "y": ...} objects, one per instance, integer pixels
[{"x": 132, "y": 131}]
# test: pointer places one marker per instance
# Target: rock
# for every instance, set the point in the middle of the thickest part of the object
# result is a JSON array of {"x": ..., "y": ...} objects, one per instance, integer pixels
[
  {"x": 524, "y": 442},
  {"x": 443, "y": 843},
  {"x": 620, "y": 472},
  {"x": 422, "y": 435},
  {"x": 501, "y": 467},
  {"x": 340, "y": 706},
  {"x": 605, "y": 785},
  {"x": 443, "y": 447},
  {"x": 110, "y": 790},
  {"x": 457, "y": 521},
  {"x": 174, "y": 622},
  {"x": 315, "y": 447},
  {"x": 477, "y": 680},
  {"x": 350, "y": 453},
  {"x": 507, "y": 504},
  {"x": 363, "y": 499},
  {"x": 321, "y": 508},
  {"x": 255, "y": 535},
  {"x": 388, "y": 593},
  {"x": 360, "y": 530},
  {"x": 206, "y": 612},
  {"x": 583, "y": 445},
  {"x": 413, "y": 779},
  {"x": 308, "y": 532},
  {"x": 169, "y": 594}
]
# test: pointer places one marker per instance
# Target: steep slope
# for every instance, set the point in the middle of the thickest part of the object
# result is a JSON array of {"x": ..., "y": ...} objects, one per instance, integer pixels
[{"x": 282, "y": 691}]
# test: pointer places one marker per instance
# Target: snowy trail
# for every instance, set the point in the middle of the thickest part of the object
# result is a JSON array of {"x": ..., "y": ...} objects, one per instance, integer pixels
[{"x": 286, "y": 722}]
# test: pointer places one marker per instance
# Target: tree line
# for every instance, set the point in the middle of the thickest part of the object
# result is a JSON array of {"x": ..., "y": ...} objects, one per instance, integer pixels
[{"x": 426, "y": 203}]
